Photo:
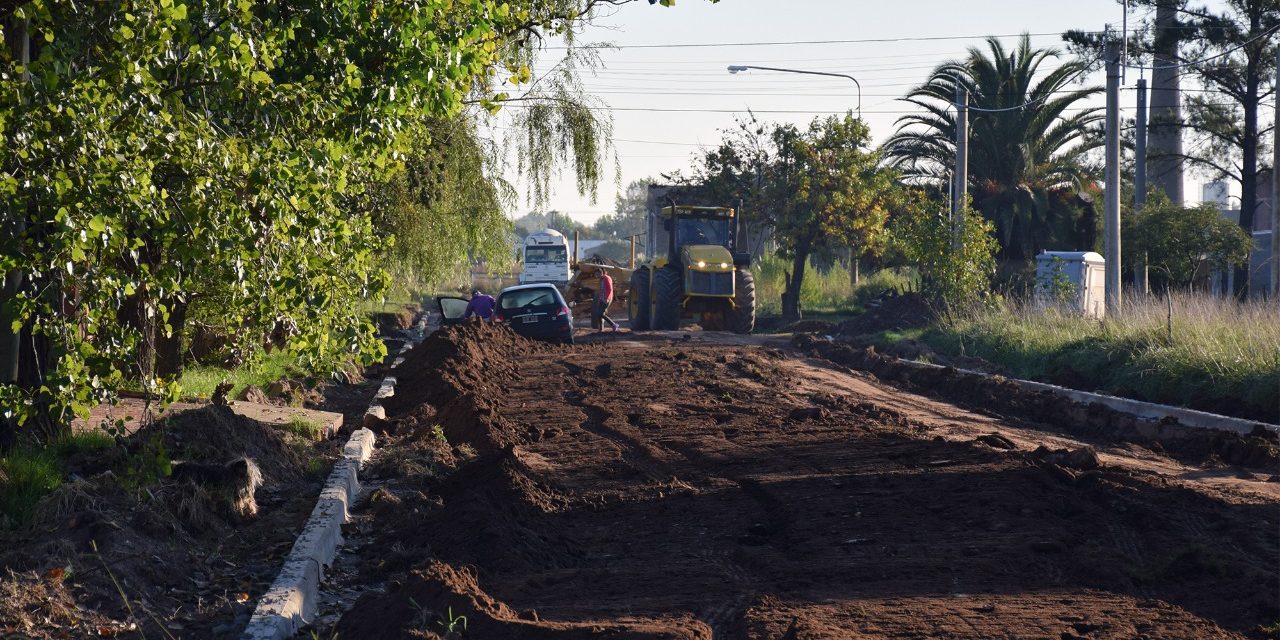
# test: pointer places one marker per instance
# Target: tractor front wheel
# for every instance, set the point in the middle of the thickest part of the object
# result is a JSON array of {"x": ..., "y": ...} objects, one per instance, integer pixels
[
  {"x": 743, "y": 317},
  {"x": 638, "y": 300},
  {"x": 668, "y": 292}
]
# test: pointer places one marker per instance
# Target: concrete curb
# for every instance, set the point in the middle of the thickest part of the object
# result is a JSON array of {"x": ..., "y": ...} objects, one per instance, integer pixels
[
  {"x": 293, "y": 599},
  {"x": 1146, "y": 410}
]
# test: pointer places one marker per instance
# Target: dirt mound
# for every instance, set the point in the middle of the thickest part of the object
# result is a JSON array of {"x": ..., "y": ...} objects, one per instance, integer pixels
[
  {"x": 391, "y": 322},
  {"x": 441, "y": 601},
  {"x": 452, "y": 378},
  {"x": 215, "y": 435},
  {"x": 999, "y": 395},
  {"x": 905, "y": 311}
]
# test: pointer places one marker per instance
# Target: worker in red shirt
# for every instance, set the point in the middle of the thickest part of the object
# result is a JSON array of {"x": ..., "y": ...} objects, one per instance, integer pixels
[{"x": 604, "y": 296}]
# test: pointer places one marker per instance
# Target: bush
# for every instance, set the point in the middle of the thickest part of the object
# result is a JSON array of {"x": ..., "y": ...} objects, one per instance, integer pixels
[{"x": 953, "y": 272}]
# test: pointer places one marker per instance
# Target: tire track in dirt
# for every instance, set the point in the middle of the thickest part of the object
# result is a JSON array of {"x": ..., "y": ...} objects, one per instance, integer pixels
[{"x": 813, "y": 505}]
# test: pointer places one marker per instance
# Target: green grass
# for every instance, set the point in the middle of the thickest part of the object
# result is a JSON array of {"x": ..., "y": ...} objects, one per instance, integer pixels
[
  {"x": 83, "y": 442},
  {"x": 308, "y": 429},
  {"x": 27, "y": 474},
  {"x": 1218, "y": 355},
  {"x": 29, "y": 471},
  {"x": 200, "y": 382},
  {"x": 828, "y": 293}
]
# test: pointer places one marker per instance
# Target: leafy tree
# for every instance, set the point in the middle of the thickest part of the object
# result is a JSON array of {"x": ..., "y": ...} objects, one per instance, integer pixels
[
  {"x": 165, "y": 153},
  {"x": 1178, "y": 240},
  {"x": 736, "y": 171},
  {"x": 1236, "y": 40},
  {"x": 830, "y": 192},
  {"x": 446, "y": 208},
  {"x": 1027, "y": 166}
]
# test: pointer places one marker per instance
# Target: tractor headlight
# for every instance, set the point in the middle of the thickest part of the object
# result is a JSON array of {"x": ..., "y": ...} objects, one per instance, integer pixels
[
  {"x": 724, "y": 265},
  {"x": 701, "y": 264}
]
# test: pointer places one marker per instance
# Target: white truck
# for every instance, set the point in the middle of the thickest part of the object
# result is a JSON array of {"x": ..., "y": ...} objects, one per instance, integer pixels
[{"x": 546, "y": 258}]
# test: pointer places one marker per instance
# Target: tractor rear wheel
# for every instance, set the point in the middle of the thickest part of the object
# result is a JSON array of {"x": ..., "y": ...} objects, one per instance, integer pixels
[
  {"x": 668, "y": 292},
  {"x": 743, "y": 317},
  {"x": 638, "y": 300}
]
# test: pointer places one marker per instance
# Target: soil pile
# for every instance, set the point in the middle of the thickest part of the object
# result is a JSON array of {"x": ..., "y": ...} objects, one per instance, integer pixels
[
  {"x": 890, "y": 312},
  {"x": 451, "y": 380},
  {"x": 999, "y": 395},
  {"x": 440, "y": 601}
]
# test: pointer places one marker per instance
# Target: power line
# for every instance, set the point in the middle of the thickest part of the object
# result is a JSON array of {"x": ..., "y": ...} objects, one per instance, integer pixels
[
  {"x": 747, "y": 110},
  {"x": 1210, "y": 58},
  {"x": 699, "y": 45}
]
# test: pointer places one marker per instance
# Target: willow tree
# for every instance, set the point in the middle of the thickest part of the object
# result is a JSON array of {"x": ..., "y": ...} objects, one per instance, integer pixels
[{"x": 1028, "y": 171}]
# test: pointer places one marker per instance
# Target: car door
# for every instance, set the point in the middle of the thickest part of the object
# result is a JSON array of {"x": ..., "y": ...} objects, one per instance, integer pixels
[{"x": 452, "y": 309}]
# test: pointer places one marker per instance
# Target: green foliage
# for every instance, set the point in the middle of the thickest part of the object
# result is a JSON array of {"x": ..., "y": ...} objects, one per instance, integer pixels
[
  {"x": 1028, "y": 168},
  {"x": 147, "y": 463},
  {"x": 830, "y": 189},
  {"x": 27, "y": 474},
  {"x": 1223, "y": 356},
  {"x": 445, "y": 208},
  {"x": 308, "y": 429},
  {"x": 1177, "y": 240},
  {"x": 83, "y": 442},
  {"x": 200, "y": 382},
  {"x": 955, "y": 265},
  {"x": 225, "y": 155},
  {"x": 823, "y": 290}
]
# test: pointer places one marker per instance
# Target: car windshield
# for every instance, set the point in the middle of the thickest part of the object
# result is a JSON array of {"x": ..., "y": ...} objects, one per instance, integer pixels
[
  {"x": 453, "y": 307},
  {"x": 540, "y": 255},
  {"x": 702, "y": 231},
  {"x": 521, "y": 298}
]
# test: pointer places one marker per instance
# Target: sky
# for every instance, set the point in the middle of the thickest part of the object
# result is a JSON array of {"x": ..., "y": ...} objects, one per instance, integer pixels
[{"x": 696, "y": 97}]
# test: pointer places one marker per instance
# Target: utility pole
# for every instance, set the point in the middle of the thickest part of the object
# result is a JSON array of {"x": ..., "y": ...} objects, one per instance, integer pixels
[
  {"x": 1112, "y": 196},
  {"x": 1275, "y": 193},
  {"x": 960, "y": 178},
  {"x": 1140, "y": 282}
]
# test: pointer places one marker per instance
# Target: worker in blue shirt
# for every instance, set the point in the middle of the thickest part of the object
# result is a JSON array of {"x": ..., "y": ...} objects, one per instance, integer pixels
[{"x": 481, "y": 305}]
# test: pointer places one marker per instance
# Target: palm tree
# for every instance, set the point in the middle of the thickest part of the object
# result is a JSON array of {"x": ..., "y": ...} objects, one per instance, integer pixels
[{"x": 1027, "y": 168}]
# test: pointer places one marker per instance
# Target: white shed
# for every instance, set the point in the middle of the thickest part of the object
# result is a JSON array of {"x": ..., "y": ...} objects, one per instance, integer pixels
[{"x": 1076, "y": 279}]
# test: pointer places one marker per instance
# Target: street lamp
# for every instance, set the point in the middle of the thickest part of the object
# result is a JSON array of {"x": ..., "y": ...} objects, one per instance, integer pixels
[{"x": 735, "y": 68}]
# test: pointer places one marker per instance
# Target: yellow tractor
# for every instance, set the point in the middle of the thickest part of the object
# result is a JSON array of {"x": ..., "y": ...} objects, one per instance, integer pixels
[{"x": 694, "y": 271}]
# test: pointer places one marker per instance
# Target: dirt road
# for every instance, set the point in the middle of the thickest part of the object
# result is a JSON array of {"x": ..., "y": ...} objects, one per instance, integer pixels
[{"x": 666, "y": 488}]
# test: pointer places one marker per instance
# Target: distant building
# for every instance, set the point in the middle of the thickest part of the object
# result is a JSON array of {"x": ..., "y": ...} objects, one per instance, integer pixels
[{"x": 1260, "y": 258}]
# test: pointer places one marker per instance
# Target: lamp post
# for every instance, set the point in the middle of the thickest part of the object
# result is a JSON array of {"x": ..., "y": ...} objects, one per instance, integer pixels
[{"x": 735, "y": 68}]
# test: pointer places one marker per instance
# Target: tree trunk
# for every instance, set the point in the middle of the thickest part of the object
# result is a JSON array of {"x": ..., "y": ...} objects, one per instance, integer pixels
[
  {"x": 855, "y": 273},
  {"x": 1164, "y": 126},
  {"x": 133, "y": 313},
  {"x": 170, "y": 348},
  {"x": 791, "y": 311},
  {"x": 1248, "y": 171}
]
